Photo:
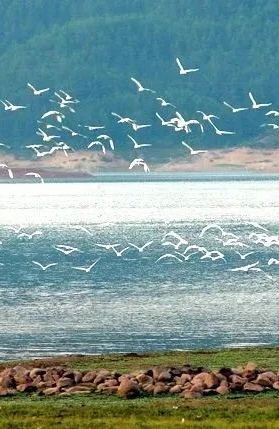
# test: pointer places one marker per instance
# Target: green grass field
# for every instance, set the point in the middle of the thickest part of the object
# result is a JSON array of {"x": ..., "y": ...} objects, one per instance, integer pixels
[{"x": 95, "y": 411}]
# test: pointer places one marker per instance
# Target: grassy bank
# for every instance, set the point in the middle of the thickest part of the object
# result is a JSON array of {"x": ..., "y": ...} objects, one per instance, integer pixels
[{"x": 94, "y": 411}]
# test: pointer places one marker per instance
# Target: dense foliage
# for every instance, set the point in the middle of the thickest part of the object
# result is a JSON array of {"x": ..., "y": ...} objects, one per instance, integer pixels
[{"x": 92, "y": 48}]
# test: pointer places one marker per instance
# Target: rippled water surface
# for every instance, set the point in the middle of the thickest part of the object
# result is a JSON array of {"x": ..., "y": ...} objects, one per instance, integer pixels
[{"x": 131, "y": 303}]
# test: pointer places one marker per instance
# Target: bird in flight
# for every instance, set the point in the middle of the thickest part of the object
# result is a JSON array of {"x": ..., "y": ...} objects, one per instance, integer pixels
[
  {"x": 182, "y": 70},
  {"x": 140, "y": 87},
  {"x": 164, "y": 103},
  {"x": 44, "y": 267},
  {"x": 137, "y": 145},
  {"x": 139, "y": 162},
  {"x": 168, "y": 255},
  {"x": 12, "y": 107},
  {"x": 37, "y": 175},
  {"x": 9, "y": 170},
  {"x": 44, "y": 135},
  {"x": 272, "y": 112},
  {"x": 245, "y": 255},
  {"x": 29, "y": 236},
  {"x": 37, "y": 91},
  {"x": 141, "y": 248},
  {"x": 256, "y": 105},
  {"x": 57, "y": 115},
  {"x": 192, "y": 151},
  {"x": 87, "y": 269},
  {"x": 67, "y": 250},
  {"x": 235, "y": 109}
]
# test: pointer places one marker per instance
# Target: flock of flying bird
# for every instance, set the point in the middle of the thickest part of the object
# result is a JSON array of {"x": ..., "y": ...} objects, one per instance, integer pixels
[
  {"x": 66, "y": 103},
  {"x": 178, "y": 249}
]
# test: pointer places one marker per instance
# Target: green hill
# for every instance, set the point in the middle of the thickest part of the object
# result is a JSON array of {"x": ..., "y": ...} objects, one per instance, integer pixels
[{"x": 92, "y": 48}]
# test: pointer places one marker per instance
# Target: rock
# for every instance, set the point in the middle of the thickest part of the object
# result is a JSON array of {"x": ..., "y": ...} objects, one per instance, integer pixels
[
  {"x": 184, "y": 378},
  {"x": 226, "y": 372},
  {"x": 35, "y": 372},
  {"x": 51, "y": 391},
  {"x": 144, "y": 379},
  {"x": 21, "y": 375},
  {"x": 160, "y": 388},
  {"x": 65, "y": 382},
  {"x": 78, "y": 389},
  {"x": 7, "y": 381},
  {"x": 148, "y": 388},
  {"x": 252, "y": 387},
  {"x": 128, "y": 389},
  {"x": 176, "y": 389},
  {"x": 223, "y": 389},
  {"x": 210, "y": 380},
  {"x": 89, "y": 377},
  {"x": 237, "y": 382},
  {"x": 77, "y": 376},
  {"x": 26, "y": 387},
  {"x": 188, "y": 394},
  {"x": 165, "y": 376},
  {"x": 264, "y": 381},
  {"x": 156, "y": 371},
  {"x": 209, "y": 392}
]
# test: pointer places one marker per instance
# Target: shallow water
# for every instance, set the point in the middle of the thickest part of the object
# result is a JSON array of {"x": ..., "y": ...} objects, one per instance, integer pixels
[{"x": 131, "y": 303}]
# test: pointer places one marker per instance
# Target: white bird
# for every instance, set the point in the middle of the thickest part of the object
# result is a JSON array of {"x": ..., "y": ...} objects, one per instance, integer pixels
[
  {"x": 272, "y": 112},
  {"x": 168, "y": 255},
  {"x": 181, "y": 240},
  {"x": 12, "y": 107},
  {"x": 246, "y": 268},
  {"x": 222, "y": 132},
  {"x": 256, "y": 225},
  {"x": 192, "y": 151},
  {"x": 215, "y": 225},
  {"x": 140, "y": 87},
  {"x": 106, "y": 137},
  {"x": 141, "y": 248},
  {"x": 97, "y": 143},
  {"x": 186, "y": 257},
  {"x": 245, "y": 255},
  {"x": 235, "y": 109},
  {"x": 92, "y": 127},
  {"x": 107, "y": 246},
  {"x": 256, "y": 105},
  {"x": 182, "y": 70},
  {"x": 9, "y": 170},
  {"x": 122, "y": 119},
  {"x": 120, "y": 252},
  {"x": 137, "y": 127},
  {"x": 164, "y": 103},
  {"x": 207, "y": 117},
  {"x": 67, "y": 250},
  {"x": 81, "y": 228},
  {"x": 45, "y": 267},
  {"x": 273, "y": 261},
  {"x": 231, "y": 242},
  {"x": 139, "y": 162},
  {"x": 274, "y": 126},
  {"x": 214, "y": 255},
  {"x": 46, "y": 138},
  {"x": 73, "y": 133},
  {"x": 87, "y": 269},
  {"x": 37, "y": 91},
  {"x": 5, "y": 145},
  {"x": 37, "y": 175},
  {"x": 29, "y": 236},
  {"x": 57, "y": 115},
  {"x": 163, "y": 122},
  {"x": 68, "y": 97},
  {"x": 137, "y": 145}
]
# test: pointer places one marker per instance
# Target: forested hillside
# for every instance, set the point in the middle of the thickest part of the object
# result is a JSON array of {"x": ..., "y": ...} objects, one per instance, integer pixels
[{"x": 91, "y": 48}]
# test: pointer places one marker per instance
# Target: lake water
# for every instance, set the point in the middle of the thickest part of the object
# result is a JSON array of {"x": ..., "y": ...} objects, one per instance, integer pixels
[{"x": 131, "y": 303}]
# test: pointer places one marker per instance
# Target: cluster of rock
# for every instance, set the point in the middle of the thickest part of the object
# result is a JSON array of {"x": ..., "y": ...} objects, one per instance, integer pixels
[{"x": 185, "y": 381}]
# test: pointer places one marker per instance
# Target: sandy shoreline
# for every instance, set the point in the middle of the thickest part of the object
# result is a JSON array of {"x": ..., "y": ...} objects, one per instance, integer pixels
[{"x": 85, "y": 164}]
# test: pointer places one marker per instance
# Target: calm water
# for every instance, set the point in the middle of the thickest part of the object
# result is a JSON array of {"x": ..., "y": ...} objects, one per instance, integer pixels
[{"x": 131, "y": 303}]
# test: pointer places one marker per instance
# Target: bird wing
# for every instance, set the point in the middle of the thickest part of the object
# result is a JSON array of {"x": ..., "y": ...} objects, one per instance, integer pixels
[
  {"x": 252, "y": 98},
  {"x": 139, "y": 85},
  {"x": 11, "y": 174},
  {"x": 179, "y": 64},
  {"x": 133, "y": 140},
  {"x": 31, "y": 86},
  {"x": 167, "y": 255},
  {"x": 38, "y": 263}
]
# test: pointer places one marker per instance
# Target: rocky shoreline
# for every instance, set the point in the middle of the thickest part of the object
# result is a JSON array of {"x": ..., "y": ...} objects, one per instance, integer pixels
[{"x": 186, "y": 381}]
